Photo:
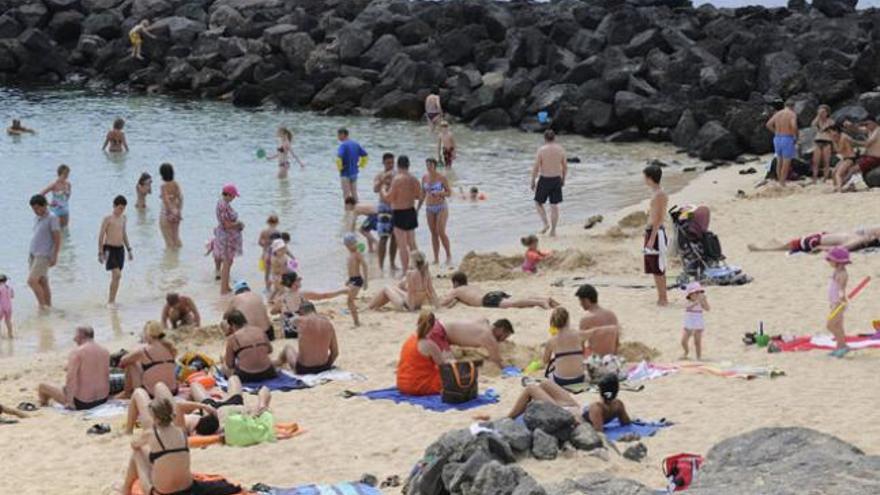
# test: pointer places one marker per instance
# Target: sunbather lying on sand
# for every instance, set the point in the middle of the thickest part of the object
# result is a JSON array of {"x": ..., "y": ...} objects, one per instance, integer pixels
[
  {"x": 473, "y": 296},
  {"x": 597, "y": 414},
  {"x": 822, "y": 241}
]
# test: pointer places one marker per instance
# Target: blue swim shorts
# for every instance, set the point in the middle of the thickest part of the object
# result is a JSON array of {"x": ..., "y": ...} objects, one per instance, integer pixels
[{"x": 783, "y": 146}]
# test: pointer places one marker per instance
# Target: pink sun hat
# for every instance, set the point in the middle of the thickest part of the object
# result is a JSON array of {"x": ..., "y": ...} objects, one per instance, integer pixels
[
  {"x": 231, "y": 190},
  {"x": 693, "y": 288},
  {"x": 838, "y": 255}
]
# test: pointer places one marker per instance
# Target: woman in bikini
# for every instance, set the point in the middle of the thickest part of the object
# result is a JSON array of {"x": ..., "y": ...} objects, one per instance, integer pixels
[
  {"x": 143, "y": 189},
  {"x": 435, "y": 190},
  {"x": 115, "y": 141},
  {"x": 248, "y": 350},
  {"x": 564, "y": 354},
  {"x": 172, "y": 206},
  {"x": 61, "y": 188},
  {"x": 227, "y": 235},
  {"x": 152, "y": 364},
  {"x": 284, "y": 152},
  {"x": 823, "y": 143},
  {"x": 413, "y": 291}
]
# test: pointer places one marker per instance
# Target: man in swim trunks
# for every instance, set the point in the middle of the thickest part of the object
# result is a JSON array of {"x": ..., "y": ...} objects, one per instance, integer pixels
[
  {"x": 113, "y": 245},
  {"x": 251, "y": 305},
  {"x": 474, "y": 297},
  {"x": 823, "y": 241},
  {"x": 654, "y": 247},
  {"x": 402, "y": 195},
  {"x": 477, "y": 333},
  {"x": 384, "y": 229},
  {"x": 88, "y": 375},
  {"x": 870, "y": 158},
  {"x": 599, "y": 324},
  {"x": 318, "y": 348},
  {"x": 783, "y": 124},
  {"x": 350, "y": 158},
  {"x": 548, "y": 178},
  {"x": 180, "y": 310}
]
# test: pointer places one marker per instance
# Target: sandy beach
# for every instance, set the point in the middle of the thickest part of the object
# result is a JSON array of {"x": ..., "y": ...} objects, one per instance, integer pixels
[{"x": 348, "y": 437}]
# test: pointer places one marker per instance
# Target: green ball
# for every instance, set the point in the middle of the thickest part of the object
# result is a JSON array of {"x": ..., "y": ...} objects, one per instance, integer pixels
[
  {"x": 261, "y": 153},
  {"x": 362, "y": 247}
]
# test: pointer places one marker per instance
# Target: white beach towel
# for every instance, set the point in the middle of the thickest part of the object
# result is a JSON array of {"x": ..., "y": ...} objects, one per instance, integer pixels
[
  {"x": 334, "y": 375},
  {"x": 662, "y": 247},
  {"x": 109, "y": 409}
]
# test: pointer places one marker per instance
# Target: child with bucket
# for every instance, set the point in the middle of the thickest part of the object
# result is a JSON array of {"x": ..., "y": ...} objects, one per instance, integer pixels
[{"x": 838, "y": 258}]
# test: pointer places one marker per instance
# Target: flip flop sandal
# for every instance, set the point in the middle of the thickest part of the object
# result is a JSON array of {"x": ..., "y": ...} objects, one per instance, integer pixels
[
  {"x": 261, "y": 488},
  {"x": 99, "y": 429},
  {"x": 4, "y": 421},
  {"x": 391, "y": 482},
  {"x": 348, "y": 394},
  {"x": 27, "y": 406}
]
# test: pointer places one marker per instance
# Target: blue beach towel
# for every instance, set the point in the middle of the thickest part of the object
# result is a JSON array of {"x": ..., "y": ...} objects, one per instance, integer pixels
[
  {"x": 337, "y": 489},
  {"x": 281, "y": 383},
  {"x": 613, "y": 429},
  {"x": 432, "y": 402}
]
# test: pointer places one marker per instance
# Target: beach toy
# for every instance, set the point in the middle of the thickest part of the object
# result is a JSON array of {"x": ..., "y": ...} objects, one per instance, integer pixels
[
  {"x": 203, "y": 378},
  {"x": 261, "y": 265},
  {"x": 543, "y": 117},
  {"x": 261, "y": 153},
  {"x": 876, "y": 325},
  {"x": 292, "y": 264},
  {"x": 762, "y": 340},
  {"x": 533, "y": 367},
  {"x": 553, "y": 331},
  {"x": 361, "y": 247},
  {"x": 852, "y": 295}
]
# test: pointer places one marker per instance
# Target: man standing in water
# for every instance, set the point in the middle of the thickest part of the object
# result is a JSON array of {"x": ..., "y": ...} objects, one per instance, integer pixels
[
  {"x": 548, "y": 177},
  {"x": 45, "y": 245},
  {"x": 387, "y": 243},
  {"x": 113, "y": 246},
  {"x": 654, "y": 248},
  {"x": 405, "y": 190},
  {"x": 783, "y": 124},
  {"x": 350, "y": 158}
]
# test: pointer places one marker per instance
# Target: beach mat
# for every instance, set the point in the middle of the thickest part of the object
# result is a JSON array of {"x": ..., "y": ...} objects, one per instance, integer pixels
[
  {"x": 651, "y": 371},
  {"x": 284, "y": 382},
  {"x": 202, "y": 477},
  {"x": 432, "y": 402},
  {"x": 825, "y": 342},
  {"x": 614, "y": 430},
  {"x": 283, "y": 431},
  {"x": 336, "y": 489},
  {"x": 108, "y": 409},
  {"x": 333, "y": 375}
]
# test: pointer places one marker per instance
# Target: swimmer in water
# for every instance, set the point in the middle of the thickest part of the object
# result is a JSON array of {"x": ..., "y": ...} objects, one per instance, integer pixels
[
  {"x": 284, "y": 152},
  {"x": 115, "y": 141},
  {"x": 61, "y": 190},
  {"x": 16, "y": 129},
  {"x": 144, "y": 188}
]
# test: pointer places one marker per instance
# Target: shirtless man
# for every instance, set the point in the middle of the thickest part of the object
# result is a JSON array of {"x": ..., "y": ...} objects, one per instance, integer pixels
[
  {"x": 654, "y": 248},
  {"x": 251, "y": 305},
  {"x": 870, "y": 158},
  {"x": 318, "y": 348},
  {"x": 475, "y": 333},
  {"x": 180, "y": 310},
  {"x": 822, "y": 241},
  {"x": 548, "y": 178},
  {"x": 783, "y": 124},
  {"x": 599, "y": 325},
  {"x": 446, "y": 153},
  {"x": 357, "y": 274},
  {"x": 291, "y": 299},
  {"x": 113, "y": 246},
  {"x": 88, "y": 375},
  {"x": 843, "y": 146},
  {"x": 16, "y": 129},
  {"x": 387, "y": 243},
  {"x": 402, "y": 195},
  {"x": 433, "y": 109},
  {"x": 474, "y": 297}
]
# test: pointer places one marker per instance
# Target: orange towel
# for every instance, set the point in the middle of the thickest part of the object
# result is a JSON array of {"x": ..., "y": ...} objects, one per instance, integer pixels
[
  {"x": 283, "y": 431},
  {"x": 136, "y": 489}
]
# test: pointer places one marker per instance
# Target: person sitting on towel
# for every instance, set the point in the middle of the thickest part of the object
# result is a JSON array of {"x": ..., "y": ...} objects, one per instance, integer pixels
[
  {"x": 597, "y": 414},
  {"x": 153, "y": 363},
  {"x": 418, "y": 371},
  {"x": 248, "y": 350},
  {"x": 88, "y": 375},
  {"x": 599, "y": 325},
  {"x": 318, "y": 348},
  {"x": 473, "y": 296},
  {"x": 478, "y": 333}
]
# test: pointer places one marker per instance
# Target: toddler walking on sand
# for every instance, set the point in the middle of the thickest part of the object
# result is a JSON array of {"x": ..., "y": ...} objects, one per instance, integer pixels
[
  {"x": 533, "y": 254},
  {"x": 694, "y": 325},
  {"x": 357, "y": 274},
  {"x": 838, "y": 258},
  {"x": 6, "y": 296}
]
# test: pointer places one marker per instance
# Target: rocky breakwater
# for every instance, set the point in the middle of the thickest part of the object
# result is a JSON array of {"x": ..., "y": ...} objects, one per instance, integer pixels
[{"x": 704, "y": 78}]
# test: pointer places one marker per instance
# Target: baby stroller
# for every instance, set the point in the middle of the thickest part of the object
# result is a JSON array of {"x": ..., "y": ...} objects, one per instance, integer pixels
[{"x": 700, "y": 249}]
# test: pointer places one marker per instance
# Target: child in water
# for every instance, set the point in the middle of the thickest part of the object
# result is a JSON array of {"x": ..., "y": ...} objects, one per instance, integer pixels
[
  {"x": 115, "y": 141},
  {"x": 284, "y": 151},
  {"x": 533, "y": 254},
  {"x": 357, "y": 274},
  {"x": 61, "y": 189},
  {"x": 144, "y": 188},
  {"x": 135, "y": 37},
  {"x": 693, "y": 319},
  {"x": 265, "y": 242},
  {"x": 838, "y": 258},
  {"x": 6, "y": 297}
]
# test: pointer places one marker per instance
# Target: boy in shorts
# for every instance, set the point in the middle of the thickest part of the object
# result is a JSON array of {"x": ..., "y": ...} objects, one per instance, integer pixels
[
  {"x": 357, "y": 274},
  {"x": 113, "y": 245}
]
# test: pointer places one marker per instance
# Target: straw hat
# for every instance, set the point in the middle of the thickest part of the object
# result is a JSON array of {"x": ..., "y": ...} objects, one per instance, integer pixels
[{"x": 838, "y": 255}]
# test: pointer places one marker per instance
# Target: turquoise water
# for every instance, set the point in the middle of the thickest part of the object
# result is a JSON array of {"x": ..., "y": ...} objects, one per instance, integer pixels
[{"x": 212, "y": 143}]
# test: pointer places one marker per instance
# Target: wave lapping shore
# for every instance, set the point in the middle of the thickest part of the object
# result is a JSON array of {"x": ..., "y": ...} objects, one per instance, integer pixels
[{"x": 704, "y": 78}]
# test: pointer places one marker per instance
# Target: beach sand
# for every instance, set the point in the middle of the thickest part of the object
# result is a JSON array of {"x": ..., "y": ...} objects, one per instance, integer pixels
[{"x": 348, "y": 437}]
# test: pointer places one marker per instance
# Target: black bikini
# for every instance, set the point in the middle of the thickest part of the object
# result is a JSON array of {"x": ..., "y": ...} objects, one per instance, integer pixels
[
  {"x": 146, "y": 366},
  {"x": 564, "y": 382},
  {"x": 156, "y": 455},
  {"x": 248, "y": 377}
]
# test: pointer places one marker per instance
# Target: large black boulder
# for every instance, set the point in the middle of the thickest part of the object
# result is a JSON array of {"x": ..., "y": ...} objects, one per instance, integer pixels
[
  {"x": 779, "y": 73},
  {"x": 835, "y": 8},
  {"x": 491, "y": 120},
  {"x": 714, "y": 141},
  {"x": 351, "y": 42},
  {"x": 249, "y": 95},
  {"x": 830, "y": 81},
  {"x": 594, "y": 116},
  {"x": 297, "y": 48},
  {"x": 620, "y": 26},
  {"x": 628, "y": 107},
  {"x": 382, "y": 51},
  {"x": 66, "y": 26},
  {"x": 340, "y": 91},
  {"x": 550, "y": 418},
  {"x": 106, "y": 24},
  {"x": 9, "y": 26},
  {"x": 399, "y": 105},
  {"x": 527, "y": 47},
  {"x": 746, "y": 121}
]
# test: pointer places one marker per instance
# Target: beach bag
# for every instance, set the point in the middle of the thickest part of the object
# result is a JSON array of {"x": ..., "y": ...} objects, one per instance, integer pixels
[
  {"x": 193, "y": 362},
  {"x": 242, "y": 430},
  {"x": 681, "y": 470},
  {"x": 609, "y": 364},
  {"x": 459, "y": 380}
]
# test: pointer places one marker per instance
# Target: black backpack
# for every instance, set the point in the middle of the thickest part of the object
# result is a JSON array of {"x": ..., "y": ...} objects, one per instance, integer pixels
[{"x": 459, "y": 380}]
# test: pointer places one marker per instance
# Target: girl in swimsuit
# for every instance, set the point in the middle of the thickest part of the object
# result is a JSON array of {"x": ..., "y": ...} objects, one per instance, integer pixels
[
  {"x": 143, "y": 189},
  {"x": 151, "y": 364},
  {"x": 115, "y": 141},
  {"x": 172, "y": 206},
  {"x": 823, "y": 143},
  {"x": 60, "y": 189},
  {"x": 435, "y": 190},
  {"x": 284, "y": 152},
  {"x": 838, "y": 258},
  {"x": 413, "y": 291}
]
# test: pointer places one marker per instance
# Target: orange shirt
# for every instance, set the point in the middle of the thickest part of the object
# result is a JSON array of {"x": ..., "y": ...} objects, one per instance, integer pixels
[{"x": 417, "y": 374}]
